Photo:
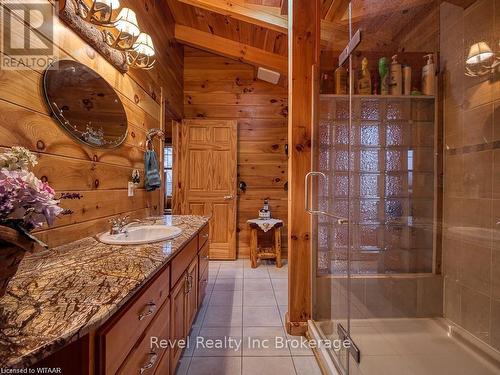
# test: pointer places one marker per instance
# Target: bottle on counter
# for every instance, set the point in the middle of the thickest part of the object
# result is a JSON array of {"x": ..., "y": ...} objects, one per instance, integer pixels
[
  {"x": 396, "y": 77},
  {"x": 383, "y": 70},
  {"x": 327, "y": 83},
  {"x": 341, "y": 81},
  {"x": 429, "y": 76},
  {"x": 407, "y": 80},
  {"x": 365, "y": 82},
  {"x": 264, "y": 212}
]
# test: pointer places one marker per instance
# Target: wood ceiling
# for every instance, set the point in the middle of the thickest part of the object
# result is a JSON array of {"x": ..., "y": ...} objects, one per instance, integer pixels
[{"x": 255, "y": 31}]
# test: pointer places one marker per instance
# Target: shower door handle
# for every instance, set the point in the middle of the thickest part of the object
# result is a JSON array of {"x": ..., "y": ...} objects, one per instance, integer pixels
[{"x": 340, "y": 220}]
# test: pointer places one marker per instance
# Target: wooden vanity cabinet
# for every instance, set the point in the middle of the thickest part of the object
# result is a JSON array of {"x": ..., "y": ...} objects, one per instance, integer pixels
[
  {"x": 164, "y": 308},
  {"x": 117, "y": 338}
]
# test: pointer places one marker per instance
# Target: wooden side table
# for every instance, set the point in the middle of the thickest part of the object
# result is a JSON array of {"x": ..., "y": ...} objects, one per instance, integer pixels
[{"x": 273, "y": 252}]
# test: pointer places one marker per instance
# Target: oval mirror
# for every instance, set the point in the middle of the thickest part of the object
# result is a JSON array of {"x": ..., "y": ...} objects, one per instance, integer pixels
[{"x": 85, "y": 104}]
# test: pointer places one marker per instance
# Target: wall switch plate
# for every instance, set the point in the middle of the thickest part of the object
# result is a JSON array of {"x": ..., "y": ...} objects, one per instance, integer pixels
[{"x": 130, "y": 189}]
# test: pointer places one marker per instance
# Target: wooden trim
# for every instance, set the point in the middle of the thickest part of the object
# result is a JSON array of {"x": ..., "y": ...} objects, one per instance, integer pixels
[
  {"x": 304, "y": 43},
  {"x": 230, "y": 48}
]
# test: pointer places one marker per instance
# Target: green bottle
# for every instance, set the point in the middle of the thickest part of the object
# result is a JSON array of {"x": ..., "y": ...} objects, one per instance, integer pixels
[{"x": 383, "y": 70}]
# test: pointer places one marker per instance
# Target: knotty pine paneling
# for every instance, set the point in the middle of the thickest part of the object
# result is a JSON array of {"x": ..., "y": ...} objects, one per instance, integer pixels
[
  {"x": 99, "y": 175},
  {"x": 221, "y": 88}
]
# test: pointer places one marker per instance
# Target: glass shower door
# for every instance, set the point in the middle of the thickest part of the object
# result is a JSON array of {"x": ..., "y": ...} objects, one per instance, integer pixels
[
  {"x": 394, "y": 285},
  {"x": 329, "y": 193}
]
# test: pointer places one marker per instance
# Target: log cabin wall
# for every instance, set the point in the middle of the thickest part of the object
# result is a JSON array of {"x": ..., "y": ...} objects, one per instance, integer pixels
[
  {"x": 219, "y": 88},
  {"x": 99, "y": 175}
]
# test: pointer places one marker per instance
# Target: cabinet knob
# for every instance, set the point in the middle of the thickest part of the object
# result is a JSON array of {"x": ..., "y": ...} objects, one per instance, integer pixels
[
  {"x": 151, "y": 309},
  {"x": 152, "y": 360}
]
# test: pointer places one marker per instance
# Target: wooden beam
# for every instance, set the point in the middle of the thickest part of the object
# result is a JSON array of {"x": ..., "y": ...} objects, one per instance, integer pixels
[
  {"x": 334, "y": 10},
  {"x": 238, "y": 10},
  {"x": 284, "y": 7},
  {"x": 230, "y": 48},
  {"x": 255, "y": 15},
  {"x": 304, "y": 44},
  {"x": 461, "y": 3}
]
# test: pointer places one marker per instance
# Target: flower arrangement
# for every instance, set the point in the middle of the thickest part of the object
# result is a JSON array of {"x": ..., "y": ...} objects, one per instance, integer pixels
[{"x": 26, "y": 202}]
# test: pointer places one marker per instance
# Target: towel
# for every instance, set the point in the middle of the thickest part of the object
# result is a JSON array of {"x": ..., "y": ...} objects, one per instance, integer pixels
[{"x": 152, "y": 179}]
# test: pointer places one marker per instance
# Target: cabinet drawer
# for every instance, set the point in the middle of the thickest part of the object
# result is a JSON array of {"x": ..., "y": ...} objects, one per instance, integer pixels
[
  {"x": 117, "y": 339},
  {"x": 202, "y": 287},
  {"x": 203, "y": 236},
  {"x": 182, "y": 260},
  {"x": 144, "y": 358},
  {"x": 203, "y": 259}
]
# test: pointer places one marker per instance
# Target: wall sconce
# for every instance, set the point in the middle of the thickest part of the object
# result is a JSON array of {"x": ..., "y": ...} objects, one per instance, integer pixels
[
  {"x": 128, "y": 31},
  {"x": 100, "y": 12},
  {"x": 122, "y": 34},
  {"x": 481, "y": 60},
  {"x": 142, "y": 54}
]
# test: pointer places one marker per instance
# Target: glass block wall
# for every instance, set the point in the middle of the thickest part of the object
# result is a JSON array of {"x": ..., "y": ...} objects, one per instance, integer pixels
[{"x": 385, "y": 163}]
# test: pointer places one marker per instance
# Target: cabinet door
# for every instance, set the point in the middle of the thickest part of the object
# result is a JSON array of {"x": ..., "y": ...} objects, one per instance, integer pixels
[
  {"x": 192, "y": 295},
  {"x": 178, "y": 320}
]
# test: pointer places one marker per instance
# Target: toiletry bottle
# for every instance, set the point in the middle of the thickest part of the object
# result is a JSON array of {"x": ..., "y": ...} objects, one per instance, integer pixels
[
  {"x": 407, "y": 80},
  {"x": 341, "y": 81},
  {"x": 383, "y": 70},
  {"x": 365, "y": 82},
  {"x": 396, "y": 77},
  {"x": 327, "y": 84},
  {"x": 429, "y": 76}
]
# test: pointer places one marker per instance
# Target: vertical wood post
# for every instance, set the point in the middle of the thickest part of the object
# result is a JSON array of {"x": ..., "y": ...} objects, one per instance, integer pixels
[{"x": 303, "y": 54}]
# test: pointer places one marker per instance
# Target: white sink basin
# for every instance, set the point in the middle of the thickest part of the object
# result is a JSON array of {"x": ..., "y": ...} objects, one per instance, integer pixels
[{"x": 141, "y": 234}]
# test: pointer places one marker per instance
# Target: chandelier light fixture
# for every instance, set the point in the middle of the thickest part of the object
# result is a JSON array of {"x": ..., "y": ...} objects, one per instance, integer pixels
[{"x": 122, "y": 33}]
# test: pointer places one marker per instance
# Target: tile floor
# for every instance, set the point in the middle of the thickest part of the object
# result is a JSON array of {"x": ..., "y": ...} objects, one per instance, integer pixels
[{"x": 246, "y": 306}]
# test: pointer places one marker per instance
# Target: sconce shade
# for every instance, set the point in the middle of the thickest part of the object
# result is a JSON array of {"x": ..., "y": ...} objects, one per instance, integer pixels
[
  {"x": 478, "y": 53},
  {"x": 114, "y": 4},
  {"x": 144, "y": 45},
  {"x": 127, "y": 22}
]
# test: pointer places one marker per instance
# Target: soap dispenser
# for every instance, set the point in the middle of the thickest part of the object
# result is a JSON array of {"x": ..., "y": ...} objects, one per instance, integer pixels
[
  {"x": 396, "y": 77},
  {"x": 429, "y": 76}
]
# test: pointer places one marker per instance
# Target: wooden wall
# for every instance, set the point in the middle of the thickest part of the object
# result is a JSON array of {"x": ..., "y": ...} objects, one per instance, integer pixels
[
  {"x": 101, "y": 176},
  {"x": 217, "y": 87}
]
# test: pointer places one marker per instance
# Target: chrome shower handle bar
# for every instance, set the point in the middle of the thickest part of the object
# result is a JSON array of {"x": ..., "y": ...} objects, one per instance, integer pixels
[{"x": 340, "y": 220}]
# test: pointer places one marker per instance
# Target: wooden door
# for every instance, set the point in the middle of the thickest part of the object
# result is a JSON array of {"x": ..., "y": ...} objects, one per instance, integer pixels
[
  {"x": 192, "y": 295},
  {"x": 205, "y": 179},
  {"x": 177, "y": 320}
]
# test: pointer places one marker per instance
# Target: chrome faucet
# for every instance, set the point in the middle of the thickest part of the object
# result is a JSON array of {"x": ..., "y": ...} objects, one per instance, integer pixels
[{"x": 120, "y": 224}]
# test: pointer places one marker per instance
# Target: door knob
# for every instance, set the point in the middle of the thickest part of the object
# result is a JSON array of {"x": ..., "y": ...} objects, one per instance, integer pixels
[{"x": 228, "y": 197}]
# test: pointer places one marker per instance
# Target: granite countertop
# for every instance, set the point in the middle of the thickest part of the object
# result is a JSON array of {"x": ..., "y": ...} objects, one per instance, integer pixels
[{"x": 62, "y": 294}]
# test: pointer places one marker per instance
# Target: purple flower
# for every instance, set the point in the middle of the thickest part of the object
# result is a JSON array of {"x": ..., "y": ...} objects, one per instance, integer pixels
[{"x": 26, "y": 200}]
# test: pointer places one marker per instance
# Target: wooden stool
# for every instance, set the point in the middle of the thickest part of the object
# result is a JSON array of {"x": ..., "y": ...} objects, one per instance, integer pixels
[{"x": 265, "y": 253}]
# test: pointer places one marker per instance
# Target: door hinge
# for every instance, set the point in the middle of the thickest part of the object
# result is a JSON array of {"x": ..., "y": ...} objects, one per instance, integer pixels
[{"x": 353, "y": 348}]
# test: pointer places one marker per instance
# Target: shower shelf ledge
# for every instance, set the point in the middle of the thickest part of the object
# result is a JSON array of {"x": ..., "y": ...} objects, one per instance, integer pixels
[{"x": 418, "y": 97}]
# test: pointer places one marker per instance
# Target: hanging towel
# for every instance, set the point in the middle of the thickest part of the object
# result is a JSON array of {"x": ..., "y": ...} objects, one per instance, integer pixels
[{"x": 152, "y": 179}]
